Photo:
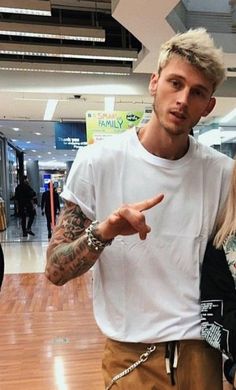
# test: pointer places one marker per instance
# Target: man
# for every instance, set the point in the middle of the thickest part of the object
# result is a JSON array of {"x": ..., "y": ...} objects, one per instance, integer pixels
[
  {"x": 46, "y": 208},
  {"x": 146, "y": 251},
  {"x": 26, "y": 198}
]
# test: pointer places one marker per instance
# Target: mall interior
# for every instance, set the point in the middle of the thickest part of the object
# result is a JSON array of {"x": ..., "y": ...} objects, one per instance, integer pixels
[{"x": 69, "y": 71}]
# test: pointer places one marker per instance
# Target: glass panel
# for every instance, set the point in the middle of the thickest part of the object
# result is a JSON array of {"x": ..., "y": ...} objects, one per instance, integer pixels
[{"x": 12, "y": 173}]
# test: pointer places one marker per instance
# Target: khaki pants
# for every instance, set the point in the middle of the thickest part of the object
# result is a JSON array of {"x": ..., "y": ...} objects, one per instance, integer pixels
[{"x": 199, "y": 367}]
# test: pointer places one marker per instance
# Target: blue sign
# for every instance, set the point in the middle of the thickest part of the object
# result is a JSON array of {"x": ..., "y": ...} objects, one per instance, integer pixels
[
  {"x": 70, "y": 135},
  {"x": 46, "y": 181}
]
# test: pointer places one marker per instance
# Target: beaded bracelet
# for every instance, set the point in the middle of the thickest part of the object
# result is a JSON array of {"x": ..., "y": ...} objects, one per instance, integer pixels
[{"x": 93, "y": 242}]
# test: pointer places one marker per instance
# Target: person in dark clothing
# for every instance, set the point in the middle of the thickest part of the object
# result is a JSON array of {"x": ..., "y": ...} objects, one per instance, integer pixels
[
  {"x": 1, "y": 266},
  {"x": 218, "y": 283},
  {"x": 26, "y": 199},
  {"x": 46, "y": 207}
]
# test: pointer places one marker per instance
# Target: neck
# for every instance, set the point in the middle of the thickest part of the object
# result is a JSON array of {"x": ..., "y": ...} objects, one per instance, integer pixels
[{"x": 158, "y": 142}]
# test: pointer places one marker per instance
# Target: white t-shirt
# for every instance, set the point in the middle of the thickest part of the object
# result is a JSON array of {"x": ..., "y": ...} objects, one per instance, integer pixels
[{"x": 148, "y": 291}]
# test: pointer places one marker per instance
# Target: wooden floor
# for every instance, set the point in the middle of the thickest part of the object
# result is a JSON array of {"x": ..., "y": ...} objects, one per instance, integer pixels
[{"x": 48, "y": 337}]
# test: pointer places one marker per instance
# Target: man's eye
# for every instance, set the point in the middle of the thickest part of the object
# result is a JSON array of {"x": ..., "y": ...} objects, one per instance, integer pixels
[
  {"x": 175, "y": 83},
  {"x": 198, "y": 92}
]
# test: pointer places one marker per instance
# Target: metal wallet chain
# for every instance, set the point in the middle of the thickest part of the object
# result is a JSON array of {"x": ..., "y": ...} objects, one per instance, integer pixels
[{"x": 141, "y": 360}]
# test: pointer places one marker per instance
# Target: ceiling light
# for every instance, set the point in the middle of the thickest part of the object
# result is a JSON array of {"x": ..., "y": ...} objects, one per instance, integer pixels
[
  {"x": 50, "y": 109},
  {"x": 15, "y": 128},
  {"x": 52, "y": 32},
  {"x": 68, "y": 52},
  {"x": 51, "y": 165},
  {"x": 37, "y": 133},
  {"x": 31, "y": 7},
  {"x": 64, "y": 68}
]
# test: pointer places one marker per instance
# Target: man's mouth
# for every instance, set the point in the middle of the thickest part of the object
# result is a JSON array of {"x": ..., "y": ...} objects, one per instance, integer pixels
[{"x": 179, "y": 115}]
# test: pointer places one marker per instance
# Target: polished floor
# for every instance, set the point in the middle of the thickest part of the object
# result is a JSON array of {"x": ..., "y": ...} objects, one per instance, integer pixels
[{"x": 48, "y": 337}]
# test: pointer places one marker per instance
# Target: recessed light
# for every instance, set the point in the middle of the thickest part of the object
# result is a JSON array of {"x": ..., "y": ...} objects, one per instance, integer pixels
[
  {"x": 37, "y": 133},
  {"x": 28, "y": 142},
  {"x": 15, "y": 128}
]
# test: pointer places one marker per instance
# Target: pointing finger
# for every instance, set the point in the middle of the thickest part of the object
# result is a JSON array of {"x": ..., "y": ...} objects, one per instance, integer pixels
[{"x": 148, "y": 203}]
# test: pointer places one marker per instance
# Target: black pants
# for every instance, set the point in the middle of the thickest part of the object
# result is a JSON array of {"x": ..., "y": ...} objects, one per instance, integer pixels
[
  {"x": 27, "y": 212},
  {"x": 1, "y": 265},
  {"x": 49, "y": 221}
]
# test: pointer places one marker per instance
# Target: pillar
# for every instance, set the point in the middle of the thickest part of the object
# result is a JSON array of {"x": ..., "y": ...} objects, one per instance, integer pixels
[
  {"x": 68, "y": 167},
  {"x": 32, "y": 169}
]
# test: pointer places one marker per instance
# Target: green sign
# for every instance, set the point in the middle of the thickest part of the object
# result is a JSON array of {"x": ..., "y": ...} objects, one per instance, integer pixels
[{"x": 100, "y": 124}]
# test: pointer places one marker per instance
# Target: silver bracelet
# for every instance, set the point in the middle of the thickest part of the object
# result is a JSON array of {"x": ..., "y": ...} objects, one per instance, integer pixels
[{"x": 93, "y": 242}]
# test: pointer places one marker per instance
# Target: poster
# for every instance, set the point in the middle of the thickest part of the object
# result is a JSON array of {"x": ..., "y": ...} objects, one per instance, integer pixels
[
  {"x": 70, "y": 135},
  {"x": 101, "y": 124}
]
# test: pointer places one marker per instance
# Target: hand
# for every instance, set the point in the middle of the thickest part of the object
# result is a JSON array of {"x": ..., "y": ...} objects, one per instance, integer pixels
[{"x": 128, "y": 219}]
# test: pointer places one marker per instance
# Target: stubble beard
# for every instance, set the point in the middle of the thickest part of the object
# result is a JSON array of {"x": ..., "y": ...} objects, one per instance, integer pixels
[{"x": 173, "y": 132}]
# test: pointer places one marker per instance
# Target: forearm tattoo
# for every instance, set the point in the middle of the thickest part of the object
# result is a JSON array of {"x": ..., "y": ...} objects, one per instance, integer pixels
[{"x": 68, "y": 254}]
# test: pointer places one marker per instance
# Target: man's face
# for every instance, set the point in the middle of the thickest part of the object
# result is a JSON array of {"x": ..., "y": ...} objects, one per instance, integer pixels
[{"x": 182, "y": 95}]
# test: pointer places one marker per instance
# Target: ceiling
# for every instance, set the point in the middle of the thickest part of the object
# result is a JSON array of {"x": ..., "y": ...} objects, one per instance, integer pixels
[{"x": 134, "y": 27}]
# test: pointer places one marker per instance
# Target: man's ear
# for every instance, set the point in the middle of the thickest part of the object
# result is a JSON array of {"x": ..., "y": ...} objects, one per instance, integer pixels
[
  {"x": 153, "y": 84},
  {"x": 210, "y": 106}
]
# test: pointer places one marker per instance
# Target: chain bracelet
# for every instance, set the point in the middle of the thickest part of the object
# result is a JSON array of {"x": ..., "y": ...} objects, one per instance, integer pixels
[
  {"x": 143, "y": 358},
  {"x": 93, "y": 242}
]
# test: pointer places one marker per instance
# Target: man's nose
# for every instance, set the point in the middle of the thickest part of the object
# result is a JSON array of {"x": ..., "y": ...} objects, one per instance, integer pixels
[{"x": 183, "y": 97}]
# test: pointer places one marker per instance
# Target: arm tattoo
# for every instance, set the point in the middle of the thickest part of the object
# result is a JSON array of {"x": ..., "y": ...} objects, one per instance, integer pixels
[{"x": 68, "y": 254}]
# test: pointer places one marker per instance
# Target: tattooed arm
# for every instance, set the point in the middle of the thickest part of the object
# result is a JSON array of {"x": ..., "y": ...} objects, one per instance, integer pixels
[{"x": 69, "y": 255}]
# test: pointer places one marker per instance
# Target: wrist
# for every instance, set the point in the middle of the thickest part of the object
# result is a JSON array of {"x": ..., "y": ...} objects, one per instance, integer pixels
[
  {"x": 95, "y": 240},
  {"x": 103, "y": 231}
]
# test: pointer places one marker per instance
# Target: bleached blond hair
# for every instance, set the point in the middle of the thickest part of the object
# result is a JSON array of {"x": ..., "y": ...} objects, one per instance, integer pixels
[
  {"x": 198, "y": 48},
  {"x": 226, "y": 225}
]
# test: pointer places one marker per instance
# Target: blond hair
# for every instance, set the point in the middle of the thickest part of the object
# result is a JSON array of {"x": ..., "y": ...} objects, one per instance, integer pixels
[
  {"x": 226, "y": 224},
  {"x": 198, "y": 48}
]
